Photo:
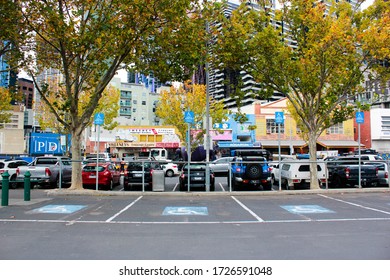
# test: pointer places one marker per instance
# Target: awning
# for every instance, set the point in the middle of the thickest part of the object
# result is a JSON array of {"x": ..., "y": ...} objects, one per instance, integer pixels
[
  {"x": 339, "y": 144},
  {"x": 283, "y": 143}
]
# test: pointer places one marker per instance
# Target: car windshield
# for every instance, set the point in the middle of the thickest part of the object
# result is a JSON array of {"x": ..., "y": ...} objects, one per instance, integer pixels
[
  {"x": 92, "y": 168},
  {"x": 147, "y": 165}
]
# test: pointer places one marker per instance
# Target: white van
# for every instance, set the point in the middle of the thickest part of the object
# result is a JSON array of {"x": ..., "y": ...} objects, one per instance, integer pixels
[{"x": 296, "y": 173}]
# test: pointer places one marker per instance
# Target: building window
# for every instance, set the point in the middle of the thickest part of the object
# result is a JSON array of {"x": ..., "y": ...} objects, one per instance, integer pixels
[
  {"x": 143, "y": 102},
  {"x": 134, "y": 101},
  {"x": 272, "y": 127},
  {"x": 386, "y": 125},
  {"x": 134, "y": 110},
  {"x": 336, "y": 129}
]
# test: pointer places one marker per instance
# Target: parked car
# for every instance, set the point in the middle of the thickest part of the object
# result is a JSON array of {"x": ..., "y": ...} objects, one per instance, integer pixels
[
  {"x": 10, "y": 166},
  {"x": 221, "y": 166},
  {"x": 197, "y": 177},
  {"x": 344, "y": 171},
  {"x": 108, "y": 175},
  {"x": 140, "y": 172},
  {"x": 92, "y": 160},
  {"x": 274, "y": 169},
  {"x": 383, "y": 172},
  {"x": 369, "y": 157},
  {"x": 170, "y": 168},
  {"x": 296, "y": 173},
  {"x": 249, "y": 170},
  {"x": 47, "y": 170}
]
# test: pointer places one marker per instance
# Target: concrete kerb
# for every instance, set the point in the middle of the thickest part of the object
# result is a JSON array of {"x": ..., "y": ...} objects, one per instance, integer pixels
[{"x": 66, "y": 192}]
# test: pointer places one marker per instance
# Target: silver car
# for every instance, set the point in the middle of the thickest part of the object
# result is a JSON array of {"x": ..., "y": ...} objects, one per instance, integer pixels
[
  {"x": 383, "y": 172},
  {"x": 221, "y": 166}
]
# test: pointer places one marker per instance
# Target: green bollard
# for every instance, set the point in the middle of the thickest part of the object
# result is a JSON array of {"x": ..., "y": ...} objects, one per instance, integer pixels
[
  {"x": 27, "y": 186},
  {"x": 5, "y": 189}
]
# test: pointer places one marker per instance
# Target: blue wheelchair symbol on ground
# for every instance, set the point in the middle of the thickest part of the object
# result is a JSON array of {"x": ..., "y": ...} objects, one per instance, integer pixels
[
  {"x": 306, "y": 209},
  {"x": 185, "y": 211},
  {"x": 59, "y": 209}
]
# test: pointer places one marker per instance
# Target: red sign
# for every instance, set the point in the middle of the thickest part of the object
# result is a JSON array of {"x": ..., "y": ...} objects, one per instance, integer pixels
[{"x": 167, "y": 145}]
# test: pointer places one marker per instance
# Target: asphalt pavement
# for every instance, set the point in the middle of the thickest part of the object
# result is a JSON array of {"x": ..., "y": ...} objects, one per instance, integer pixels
[{"x": 222, "y": 225}]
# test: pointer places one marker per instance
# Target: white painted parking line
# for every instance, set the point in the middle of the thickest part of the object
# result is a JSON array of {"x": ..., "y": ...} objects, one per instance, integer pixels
[
  {"x": 355, "y": 204},
  {"x": 72, "y": 222},
  {"x": 223, "y": 189},
  {"x": 123, "y": 210},
  {"x": 247, "y": 209}
]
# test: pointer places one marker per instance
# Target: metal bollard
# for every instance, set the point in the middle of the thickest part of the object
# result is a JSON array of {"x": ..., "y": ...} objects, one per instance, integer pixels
[
  {"x": 27, "y": 186},
  {"x": 5, "y": 189}
]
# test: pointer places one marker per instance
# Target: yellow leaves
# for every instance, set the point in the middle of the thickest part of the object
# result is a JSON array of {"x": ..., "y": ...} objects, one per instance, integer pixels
[
  {"x": 5, "y": 100},
  {"x": 172, "y": 105}
]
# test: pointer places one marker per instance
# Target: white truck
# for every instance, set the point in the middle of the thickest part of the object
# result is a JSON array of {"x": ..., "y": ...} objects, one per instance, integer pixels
[
  {"x": 158, "y": 154},
  {"x": 46, "y": 170},
  {"x": 296, "y": 173}
]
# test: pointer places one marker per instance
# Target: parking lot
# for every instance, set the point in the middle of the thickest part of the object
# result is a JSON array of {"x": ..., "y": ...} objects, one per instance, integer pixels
[{"x": 342, "y": 224}]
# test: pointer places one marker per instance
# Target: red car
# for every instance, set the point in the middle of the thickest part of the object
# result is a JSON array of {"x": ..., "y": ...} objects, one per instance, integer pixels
[{"x": 108, "y": 174}]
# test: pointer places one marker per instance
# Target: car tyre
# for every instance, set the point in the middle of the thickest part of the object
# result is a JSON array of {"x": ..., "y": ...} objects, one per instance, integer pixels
[
  {"x": 110, "y": 185},
  {"x": 267, "y": 186},
  {"x": 169, "y": 173},
  {"x": 336, "y": 182},
  {"x": 253, "y": 171},
  {"x": 13, "y": 184},
  {"x": 182, "y": 188}
]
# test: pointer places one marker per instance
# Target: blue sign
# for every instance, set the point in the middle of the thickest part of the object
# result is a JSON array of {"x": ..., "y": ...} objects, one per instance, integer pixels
[
  {"x": 279, "y": 117},
  {"x": 185, "y": 211},
  {"x": 59, "y": 209},
  {"x": 359, "y": 117},
  {"x": 225, "y": 144},
  {"x": 99, "y": 119},
  {"x": 189, "y": 117},
  {"x": 306, "y": 209},
  {"x": 46, "y": 143}
]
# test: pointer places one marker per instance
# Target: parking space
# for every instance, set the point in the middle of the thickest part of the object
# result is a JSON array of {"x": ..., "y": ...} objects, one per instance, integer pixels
[{"x": 193, "y": 208}]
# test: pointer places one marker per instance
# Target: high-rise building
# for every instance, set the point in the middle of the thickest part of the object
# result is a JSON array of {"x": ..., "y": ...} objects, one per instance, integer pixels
[{"x": 223, "y": 81}]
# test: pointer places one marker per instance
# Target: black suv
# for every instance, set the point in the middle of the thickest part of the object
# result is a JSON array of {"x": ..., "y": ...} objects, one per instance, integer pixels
[
  {"x": 250, "y": 170},
  {"x": 197, "y": 176},
  {"x": 139, "y": 172}
]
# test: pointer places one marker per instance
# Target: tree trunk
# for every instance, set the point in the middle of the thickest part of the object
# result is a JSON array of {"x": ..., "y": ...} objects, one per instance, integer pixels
[
  {"x": 313, "y": 161},
  {"x": 77, "y": 181}
]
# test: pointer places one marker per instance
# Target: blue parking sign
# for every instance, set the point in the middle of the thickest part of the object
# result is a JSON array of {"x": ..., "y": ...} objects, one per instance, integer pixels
[
  {"x": 359, "y": 117},
  {"x": 189, "y": 116},
  {"x": 99, "y": 119},
  {"x": 279, "y": 117}
]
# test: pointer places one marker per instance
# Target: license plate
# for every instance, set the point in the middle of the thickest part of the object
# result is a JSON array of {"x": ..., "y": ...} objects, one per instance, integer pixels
[
  {"x": 198, "y": 178},
  {"x": 255, "y": 181},
  {"x": 92, "y": 176},
  {"x": 137, "y": 175}
]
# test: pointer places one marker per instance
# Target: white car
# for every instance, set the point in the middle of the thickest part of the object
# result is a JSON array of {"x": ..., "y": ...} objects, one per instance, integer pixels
[
  {"x": 10, "y": 166},
  {"x": 170, "y": 168},
  {"x": 296, "y": 173},
  {"x": 274, "y": 167}
]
